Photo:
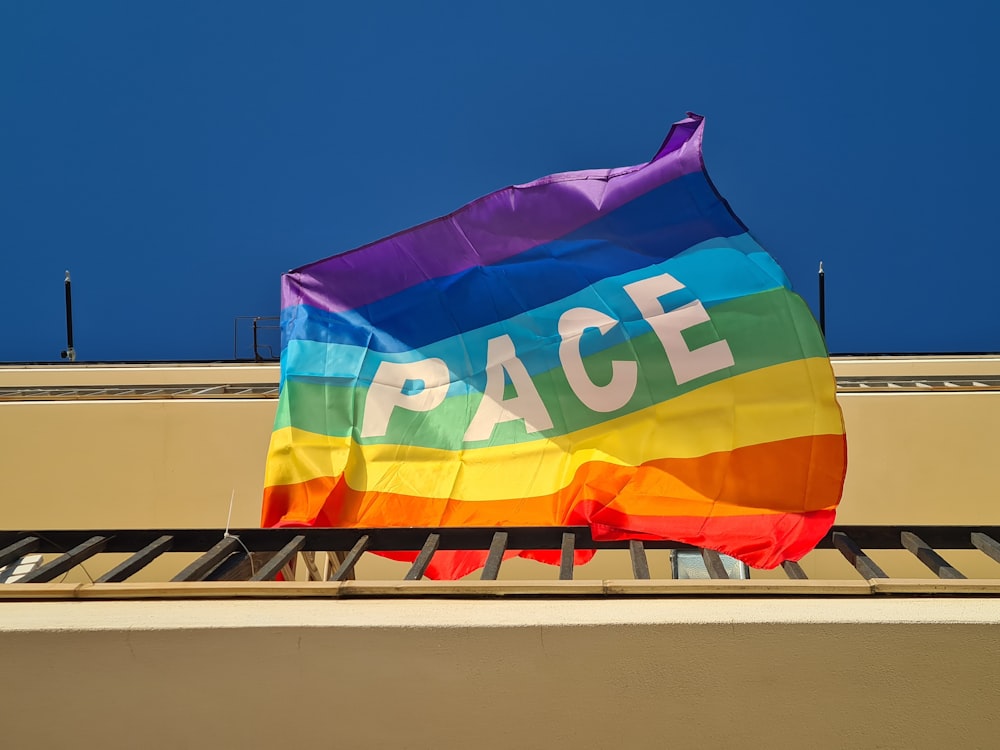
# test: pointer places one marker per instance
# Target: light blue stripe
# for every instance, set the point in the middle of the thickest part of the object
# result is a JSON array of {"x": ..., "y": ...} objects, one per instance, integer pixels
[
  {"x": 709, "y": 268},
  {"x": 714, "y": 272}
]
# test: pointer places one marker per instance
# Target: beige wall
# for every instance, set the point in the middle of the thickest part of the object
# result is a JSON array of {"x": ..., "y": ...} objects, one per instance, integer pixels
[
  {"x": 915, "y": 458},
  {"x": 716, "y": 673},
  {"x": 917, "y": 366},
  {"x": 846, "y": 671},
  {"x": 141, "y": 464},
  {"x": 920, "y": 458}
]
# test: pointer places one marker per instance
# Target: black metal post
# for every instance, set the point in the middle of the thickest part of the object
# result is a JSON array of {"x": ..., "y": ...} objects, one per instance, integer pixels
[
  {"x": 70, "y": 352},
  {"x": 822, "y": 299}
]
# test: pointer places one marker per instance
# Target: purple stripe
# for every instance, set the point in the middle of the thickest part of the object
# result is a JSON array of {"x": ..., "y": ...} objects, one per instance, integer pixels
[{"x": 489, "y": 230}]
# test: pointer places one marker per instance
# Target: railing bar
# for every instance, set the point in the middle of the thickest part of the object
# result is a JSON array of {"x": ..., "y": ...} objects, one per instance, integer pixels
[
  {"x": 270, "y": 569},
  {"x": 331, "y": 561},
  {"x": 793, "y": 570},
  {"x": 640, "y": 565},
  {"x": 236, "y": 567},
  {"x": 19, "y": 549},
  {"x": 986, "y": 544},
  {"x": 138, "y": 561},
  {"x": 541, "y": 538},
  {"x": 856, "y": 556},
  {"x": 929, "y": 557},
  {"x": 416, "y": 572},
  {"x": 497, "y": 547},
  {"x": 309, "y": 558},
  {"x": 346, "y": 568},
  {"x": 201, "y": 567},
  {"x": 567, "y": 556},
  {"x": 210, "y": 390},
  {"x": 52, "y": 542},
  {"x": 716, "y": 569},
  {"x": 17, "y": 568},
  {"x": 66, "y": 561}
]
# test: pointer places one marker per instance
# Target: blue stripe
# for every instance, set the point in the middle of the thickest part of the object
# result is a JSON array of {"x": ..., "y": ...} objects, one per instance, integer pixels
[
  {"x": 658, "y": 225},
  {"x": 715, "y": 271},
  {"x": 721, "y": 274}
]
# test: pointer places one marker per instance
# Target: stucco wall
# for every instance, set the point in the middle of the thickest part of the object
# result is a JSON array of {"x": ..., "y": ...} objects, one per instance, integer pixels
[
  {"x": 915, "y": 458},
  {"x": 501, "y": 674},
  {"x": 644, "y": 672}
]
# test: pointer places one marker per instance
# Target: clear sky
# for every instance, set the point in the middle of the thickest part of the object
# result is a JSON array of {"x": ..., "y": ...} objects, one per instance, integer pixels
[{"x": 177, "y": 157}]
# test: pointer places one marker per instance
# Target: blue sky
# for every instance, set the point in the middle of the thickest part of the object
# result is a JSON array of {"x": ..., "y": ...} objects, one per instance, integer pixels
[{"x": 177, "y": 157}]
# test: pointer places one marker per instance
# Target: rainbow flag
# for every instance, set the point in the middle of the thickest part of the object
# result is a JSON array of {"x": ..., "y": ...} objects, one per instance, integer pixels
[{"x": 608, "y": 348}]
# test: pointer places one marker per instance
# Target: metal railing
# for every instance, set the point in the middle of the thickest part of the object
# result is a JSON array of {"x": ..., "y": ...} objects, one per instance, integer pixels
[
  {"x": 258, "y": 555},
  {"x": 138, "y": 392},
  {"x": 265, "y": 337},
  {"x": 863, "y": 385}
]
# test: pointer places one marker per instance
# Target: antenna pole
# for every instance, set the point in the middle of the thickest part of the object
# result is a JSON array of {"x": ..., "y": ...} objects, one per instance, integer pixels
[
  {"x": 69, "y": 353},
  {"x": 822, "y": 299}
]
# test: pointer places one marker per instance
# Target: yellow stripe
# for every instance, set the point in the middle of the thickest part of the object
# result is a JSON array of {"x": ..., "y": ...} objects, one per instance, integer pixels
[{"x": 695, "y": 424}]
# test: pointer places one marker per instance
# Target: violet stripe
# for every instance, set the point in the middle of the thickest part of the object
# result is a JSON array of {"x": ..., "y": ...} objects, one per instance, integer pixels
[{"x": 529, "y": 215}]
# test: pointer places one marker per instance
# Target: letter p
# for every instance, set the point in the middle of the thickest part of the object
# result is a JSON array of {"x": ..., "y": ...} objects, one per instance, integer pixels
[{"x": 388, "y": 391}]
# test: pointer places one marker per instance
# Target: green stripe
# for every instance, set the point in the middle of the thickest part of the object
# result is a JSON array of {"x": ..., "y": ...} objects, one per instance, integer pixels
[{"x": 792, "y": 334}]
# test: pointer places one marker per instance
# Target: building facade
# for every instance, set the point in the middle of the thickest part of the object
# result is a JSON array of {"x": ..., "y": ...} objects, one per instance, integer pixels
[{"x": 834, "y": 660}]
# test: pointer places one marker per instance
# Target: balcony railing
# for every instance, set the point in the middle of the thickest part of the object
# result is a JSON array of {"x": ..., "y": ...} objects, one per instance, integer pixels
[
  {"x": 857, "y": 385},
  {"x": 323, "y": 562}
]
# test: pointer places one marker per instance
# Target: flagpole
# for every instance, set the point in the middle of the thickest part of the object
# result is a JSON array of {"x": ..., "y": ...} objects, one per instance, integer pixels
[
  {"x": 822, "y": 299},
  {"x": 70, "y": 352}
]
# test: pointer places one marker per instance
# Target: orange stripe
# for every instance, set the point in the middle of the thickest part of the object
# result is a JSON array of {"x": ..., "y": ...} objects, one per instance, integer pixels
[{"x": 787, "y": 476}]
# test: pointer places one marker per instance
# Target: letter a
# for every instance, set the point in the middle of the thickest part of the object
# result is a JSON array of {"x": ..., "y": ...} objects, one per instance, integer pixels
[{"x": 493, "y": 410}]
